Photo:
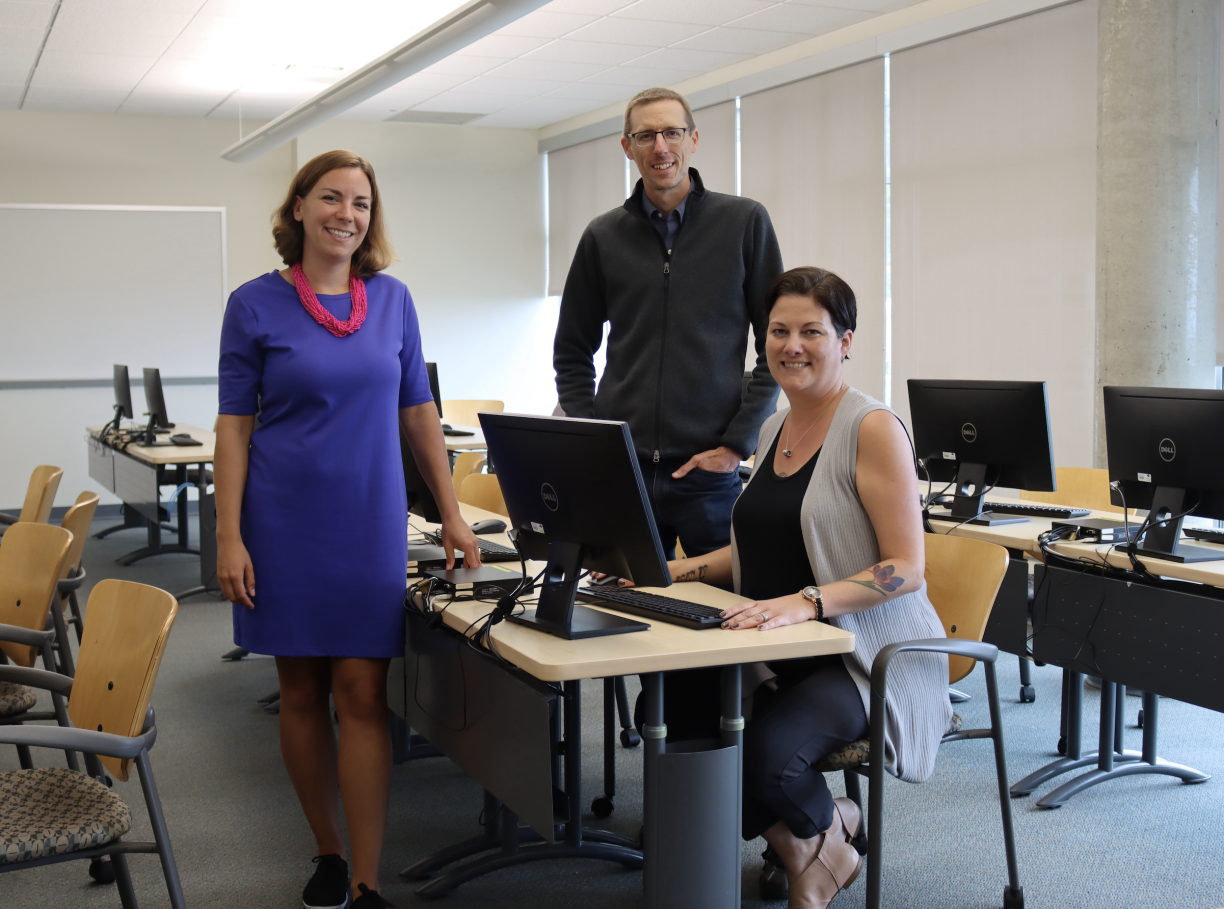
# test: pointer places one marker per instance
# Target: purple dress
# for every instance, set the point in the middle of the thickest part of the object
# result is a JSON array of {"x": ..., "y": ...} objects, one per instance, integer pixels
[{"x": 324, "y": 514}]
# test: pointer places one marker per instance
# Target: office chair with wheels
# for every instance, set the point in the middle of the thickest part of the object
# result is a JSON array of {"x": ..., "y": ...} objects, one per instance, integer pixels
[
  {"x": 484, "y": 491},
  {"x": 40, "y": 497},
  {"x": 51, "y": 815},
  {"x": 460, "y": 412},
  {"x": 963, "y": 576},
  {"x": 466, "y": 464},
  {"x": 76, "y": 521},
  {"x": 31, "y": 556}
]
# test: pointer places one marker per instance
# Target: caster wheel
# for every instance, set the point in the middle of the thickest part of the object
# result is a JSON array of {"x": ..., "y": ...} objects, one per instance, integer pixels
[
  {"x": 1027, "y": 694},
  {"x": 1139, "y": 721},
  {"x": 630, "y": 738},
  {"x": 102, "y": 870},
  {"x": 1062, "y": 747},
  {"x": 602, "y": 806}
]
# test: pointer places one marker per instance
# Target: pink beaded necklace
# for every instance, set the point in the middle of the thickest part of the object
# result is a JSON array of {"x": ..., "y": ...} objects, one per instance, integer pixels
[{"x": 340, "y": 329}]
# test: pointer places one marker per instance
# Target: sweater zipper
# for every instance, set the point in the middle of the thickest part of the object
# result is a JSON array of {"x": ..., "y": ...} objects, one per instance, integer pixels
[{"x": 662, "y": 354}]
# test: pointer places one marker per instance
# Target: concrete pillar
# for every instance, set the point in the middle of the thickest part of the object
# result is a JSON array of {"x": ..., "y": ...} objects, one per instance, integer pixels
[{"x": 1158, "y": 104}]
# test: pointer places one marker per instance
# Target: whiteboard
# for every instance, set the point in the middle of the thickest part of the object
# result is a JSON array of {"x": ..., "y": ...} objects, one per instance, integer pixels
[{"x": 83, "y": 287}]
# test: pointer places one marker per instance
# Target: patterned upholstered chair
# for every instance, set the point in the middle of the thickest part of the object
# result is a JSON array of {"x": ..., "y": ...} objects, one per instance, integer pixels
[
  {"x": 31, "y": 556},
  {"x": 963, "y": 577},
  {"x": 51, "y": 815}
]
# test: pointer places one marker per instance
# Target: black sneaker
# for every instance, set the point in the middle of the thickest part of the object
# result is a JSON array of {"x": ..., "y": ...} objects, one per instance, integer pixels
[
  {"x": 329, "y": 887},
  {"x": 370, "y": 899}
]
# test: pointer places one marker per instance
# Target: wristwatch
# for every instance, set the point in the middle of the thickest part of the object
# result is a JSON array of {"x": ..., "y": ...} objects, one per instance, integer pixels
[{"x": 814, "y": 594}]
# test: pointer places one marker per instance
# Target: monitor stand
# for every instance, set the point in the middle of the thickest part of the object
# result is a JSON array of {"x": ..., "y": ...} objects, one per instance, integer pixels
[
  {"x": 557, "y": 614},
  {"x": 967, "y": 502},
  {"x": 1164, "y": 541},
  {"x": 148, "y": 437}
]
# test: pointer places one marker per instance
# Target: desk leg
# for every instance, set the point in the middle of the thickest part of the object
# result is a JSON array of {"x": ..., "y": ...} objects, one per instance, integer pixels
[
  {"x": 731, "y": 725},
  {"x": 516, "y": 845},
  {"x": 1073, "y": 699},
  {"x": 1114, "y": 762},
  {"x": 654, "y": 734}
]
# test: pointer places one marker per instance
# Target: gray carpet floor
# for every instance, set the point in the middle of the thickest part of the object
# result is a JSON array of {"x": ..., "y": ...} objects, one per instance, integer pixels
[{"x": 241, "y": 841}]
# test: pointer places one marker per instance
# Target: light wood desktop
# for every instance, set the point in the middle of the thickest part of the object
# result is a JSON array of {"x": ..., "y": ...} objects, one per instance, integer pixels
[
  {"x": 474, "y": 442},
  {"x": 173, "y": 454}
]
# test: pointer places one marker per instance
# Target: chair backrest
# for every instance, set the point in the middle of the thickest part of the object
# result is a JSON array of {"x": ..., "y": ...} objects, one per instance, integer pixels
[
  {"x": 963, "y": 576},
  {"x": 126, "y": 629},
  {"x": 483, "y": 491},
  {"x": 40, "y": 494},
  {"x": 463, "y": 413},
  {"x": 31, "y": 556},
  {"x": 1079, "y": 487},
  {"x": 466, "y": 464},
  {"x": 76, "y": 521}
]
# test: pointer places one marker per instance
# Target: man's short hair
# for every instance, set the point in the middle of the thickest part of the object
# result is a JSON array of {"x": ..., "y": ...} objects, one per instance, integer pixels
[{"x": 658, "y": 94}]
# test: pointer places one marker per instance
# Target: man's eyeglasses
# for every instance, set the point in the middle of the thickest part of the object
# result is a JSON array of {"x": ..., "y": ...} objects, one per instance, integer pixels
[{"x": 673, "y": 136}]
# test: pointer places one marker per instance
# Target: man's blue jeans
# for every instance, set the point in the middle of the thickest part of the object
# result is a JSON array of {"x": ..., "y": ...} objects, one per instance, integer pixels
[{"x": 696, "y": 508}]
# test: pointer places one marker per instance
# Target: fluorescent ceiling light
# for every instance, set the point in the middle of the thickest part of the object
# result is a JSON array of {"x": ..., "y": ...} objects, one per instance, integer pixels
[{"x": 467, "y": 24}]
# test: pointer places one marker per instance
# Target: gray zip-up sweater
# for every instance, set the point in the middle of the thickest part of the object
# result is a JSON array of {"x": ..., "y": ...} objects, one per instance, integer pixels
[{"x": 679, "y": 324}]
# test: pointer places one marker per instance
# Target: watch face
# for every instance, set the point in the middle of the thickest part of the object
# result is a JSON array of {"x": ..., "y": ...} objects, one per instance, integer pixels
[{"x": 812, "y": 593}]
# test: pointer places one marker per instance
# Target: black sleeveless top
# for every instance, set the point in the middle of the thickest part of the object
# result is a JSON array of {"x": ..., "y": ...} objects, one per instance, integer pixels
[{"x": 768, "y": 532}]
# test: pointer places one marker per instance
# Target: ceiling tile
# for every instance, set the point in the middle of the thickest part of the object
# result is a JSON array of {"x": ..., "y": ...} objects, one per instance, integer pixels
[
  {"x": 637, "y": 31},
  {"x": 21, "y": 14},
  {"x": 433, "y": 82},
  {"x": 638, "y": 78},
  {"x": 10, "y": 95},
  {"x": 683, "y": 58},
  {"x": 20, "y": 39},
  {"x": 544, "y": 24},
  {"x": 527, "y": 88},
  {"x": 566, "y": 50},
  {"x": 590, "y": 7},
  {"x": 740, "y": 40},
  {"x": 470, "y": 102},
  {"x": 170, "y": 104},
  {"x": 545, "y": 69},
  {"x": 699, "y": 12},
  {"x": 805, "y": 20},
  {"x": 591, "y": 91},
  {"x": 87, "y": 69},
  {"x": 870, "y": 6},
  {"x": 463, "y": 65},
  {"x": 12, "y": 75},
  {"x": 88, "y": 100},
  {"x": 532, "y": 114},
  {"x": 506, "y": 46}
]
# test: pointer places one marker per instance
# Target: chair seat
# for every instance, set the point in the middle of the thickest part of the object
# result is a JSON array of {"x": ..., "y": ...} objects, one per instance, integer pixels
[
  {"x": 51, "y": 811},
  {"x": 858, "y": 752},
  {"x": 15, "y": 699}
]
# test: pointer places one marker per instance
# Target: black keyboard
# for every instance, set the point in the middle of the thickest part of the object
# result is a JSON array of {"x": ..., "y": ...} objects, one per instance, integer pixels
[
  {"x": 653, "y": 606},
  {"x": 489, "y": 551},
  {"x": 1056, "y": 512},
  {"x": 1202, "y": 533}
]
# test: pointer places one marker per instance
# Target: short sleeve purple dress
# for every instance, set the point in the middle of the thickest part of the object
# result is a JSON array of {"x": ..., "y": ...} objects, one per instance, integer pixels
[{"x": 324, "y": 514}]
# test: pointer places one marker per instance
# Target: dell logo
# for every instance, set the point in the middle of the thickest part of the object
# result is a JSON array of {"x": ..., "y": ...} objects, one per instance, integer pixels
[
  {"x": 549, "y": 495},
  {"x": 1168, "y": 451},
  {"x": 969, "y": 432}
]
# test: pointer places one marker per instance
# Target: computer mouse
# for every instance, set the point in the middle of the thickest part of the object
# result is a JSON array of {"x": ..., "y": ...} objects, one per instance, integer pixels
[
  {"x": 489, "y": 525},
  {"x": 446, "y": 427}
]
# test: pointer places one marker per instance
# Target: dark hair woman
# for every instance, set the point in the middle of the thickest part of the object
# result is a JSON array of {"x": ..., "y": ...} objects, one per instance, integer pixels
[
  {"x": 327, "y": 352},
  {"x": 827, "y": 529}
]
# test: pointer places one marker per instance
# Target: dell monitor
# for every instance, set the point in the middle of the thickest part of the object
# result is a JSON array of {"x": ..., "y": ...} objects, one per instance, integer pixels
[
  {"x": 1166, "y": 453},
  {"x": 576, "y": 499},
  {"x": 980, "y": 435},
  {"x": 123, "y": 394}
]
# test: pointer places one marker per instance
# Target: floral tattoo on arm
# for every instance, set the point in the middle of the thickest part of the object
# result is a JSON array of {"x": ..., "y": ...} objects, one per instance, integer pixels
[
  {"x": 882, "y": 581},
  {"x": 694, "y": 574}
]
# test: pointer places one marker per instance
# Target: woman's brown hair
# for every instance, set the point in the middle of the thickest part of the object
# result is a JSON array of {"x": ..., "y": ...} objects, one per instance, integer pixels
[{"x": 289, "y": 236}]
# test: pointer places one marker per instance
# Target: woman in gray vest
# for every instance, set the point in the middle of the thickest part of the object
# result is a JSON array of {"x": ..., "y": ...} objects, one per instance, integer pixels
[{"x": 828, "y": 529}]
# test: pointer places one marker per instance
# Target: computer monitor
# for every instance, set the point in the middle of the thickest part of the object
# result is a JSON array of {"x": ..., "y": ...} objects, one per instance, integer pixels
[
  {"x": 432, "y": 370},
  {"x": 576, "y": 499},
  {"x": 982, "y": 434},
  {"x": 155, "y": 401},
  {"x": 1165, "y": 448},
  {"x": 123, "y": 394},
  {"x": 421, "y": 500}
]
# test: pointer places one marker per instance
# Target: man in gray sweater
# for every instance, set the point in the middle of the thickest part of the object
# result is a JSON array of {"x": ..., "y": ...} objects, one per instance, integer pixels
[{"x": 680, "y": 272}]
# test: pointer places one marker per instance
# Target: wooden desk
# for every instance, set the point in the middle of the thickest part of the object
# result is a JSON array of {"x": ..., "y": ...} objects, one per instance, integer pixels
[
  {"x": 135, "y": 474},
  {"x": 682, "y": 865},
  {"x": 474, "y": 442}
]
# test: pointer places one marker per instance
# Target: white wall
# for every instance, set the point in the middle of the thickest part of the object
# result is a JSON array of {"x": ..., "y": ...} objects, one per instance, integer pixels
[{"x": 465, "y": 211}]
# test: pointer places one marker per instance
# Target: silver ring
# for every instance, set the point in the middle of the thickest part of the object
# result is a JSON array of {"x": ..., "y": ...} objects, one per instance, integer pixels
[{"x": 764, "y": 617}]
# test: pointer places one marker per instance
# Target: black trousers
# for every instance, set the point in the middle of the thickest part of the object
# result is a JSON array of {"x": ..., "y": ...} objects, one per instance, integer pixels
[{"x": 815, "y": 711}]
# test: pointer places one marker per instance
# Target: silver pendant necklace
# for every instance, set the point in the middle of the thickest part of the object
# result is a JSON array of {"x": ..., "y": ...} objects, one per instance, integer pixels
[{"x": 787, "y": 450}]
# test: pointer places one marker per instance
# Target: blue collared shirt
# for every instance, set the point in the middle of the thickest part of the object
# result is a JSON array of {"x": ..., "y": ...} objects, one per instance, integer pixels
[{"x": 666, "y": 225}]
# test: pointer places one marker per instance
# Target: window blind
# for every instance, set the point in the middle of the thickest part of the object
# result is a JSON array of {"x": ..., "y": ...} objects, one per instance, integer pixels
[{"x": 583, "y": 181}]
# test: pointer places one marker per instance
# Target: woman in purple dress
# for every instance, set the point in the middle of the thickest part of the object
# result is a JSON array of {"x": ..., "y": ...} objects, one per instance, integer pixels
[{"x": 327, "y": 353}]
